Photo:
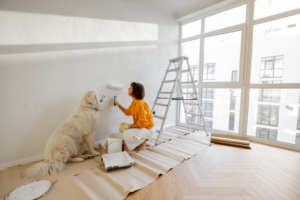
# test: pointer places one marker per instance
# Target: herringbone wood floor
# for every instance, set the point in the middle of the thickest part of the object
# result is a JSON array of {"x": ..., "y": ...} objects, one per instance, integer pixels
[{"x": 230, "y": 173}]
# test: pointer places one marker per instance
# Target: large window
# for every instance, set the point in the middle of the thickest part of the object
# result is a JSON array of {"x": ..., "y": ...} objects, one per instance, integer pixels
[
  {"x": 222, "y": 56},
  {"x": 248, "y": 68},
  {"x": 274, "y": 56}
]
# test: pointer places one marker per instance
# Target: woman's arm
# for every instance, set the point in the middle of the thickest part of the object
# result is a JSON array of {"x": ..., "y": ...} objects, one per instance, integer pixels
[{"x": 122, "y": 108}]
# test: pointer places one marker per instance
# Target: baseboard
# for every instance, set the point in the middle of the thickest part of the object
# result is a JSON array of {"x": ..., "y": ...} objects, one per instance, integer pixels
[
  {"x": 22, "y": 161},
  {"x": 34, "y": 158}
]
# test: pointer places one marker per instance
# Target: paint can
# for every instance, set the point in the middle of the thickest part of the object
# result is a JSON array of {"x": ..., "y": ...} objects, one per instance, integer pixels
[{"x": 115, "y": 143}]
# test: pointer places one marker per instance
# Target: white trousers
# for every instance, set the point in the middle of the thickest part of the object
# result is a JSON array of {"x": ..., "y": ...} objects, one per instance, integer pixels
[{"x": 135, "y": 136}]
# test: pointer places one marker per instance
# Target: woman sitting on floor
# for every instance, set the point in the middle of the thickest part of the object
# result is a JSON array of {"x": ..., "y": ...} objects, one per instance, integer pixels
[{"x": 142, "y": 129}]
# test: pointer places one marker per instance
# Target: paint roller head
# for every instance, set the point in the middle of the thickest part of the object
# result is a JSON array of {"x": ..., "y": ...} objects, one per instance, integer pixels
[{"x": 116, "y": 87}]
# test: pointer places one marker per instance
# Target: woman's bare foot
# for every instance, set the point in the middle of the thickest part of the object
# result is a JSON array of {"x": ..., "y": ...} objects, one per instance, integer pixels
[{"x": 140, "y": 147}]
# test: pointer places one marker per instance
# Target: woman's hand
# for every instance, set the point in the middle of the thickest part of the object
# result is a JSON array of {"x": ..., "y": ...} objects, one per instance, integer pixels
[
  {"x": 134, "y": 126},
  {"x": 117, "y": 102}
]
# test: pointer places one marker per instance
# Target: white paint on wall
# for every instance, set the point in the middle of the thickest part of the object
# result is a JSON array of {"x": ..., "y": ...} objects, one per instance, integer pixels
[{"x": 43, "y": 78}]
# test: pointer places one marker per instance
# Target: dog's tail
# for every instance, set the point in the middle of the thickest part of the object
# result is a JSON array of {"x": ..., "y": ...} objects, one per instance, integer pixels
[{"x": 43, "y": 169}]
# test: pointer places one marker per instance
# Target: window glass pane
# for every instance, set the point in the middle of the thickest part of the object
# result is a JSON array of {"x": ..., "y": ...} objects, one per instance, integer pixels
[
  {"x": 216, "y": 110},
  {"x": 222, "y": 53},
  {"x": 265, "y": 8},
  {"x": 275, "y": 50},
  {"x": 223, "y": 108},
  {"x": 274, "y": 120},
  {"x": 191, "y": 29},
  {"x": 225, "y": 19},
  {"x": 191, "y": 49},
  {"x": 189, "y": 108}
]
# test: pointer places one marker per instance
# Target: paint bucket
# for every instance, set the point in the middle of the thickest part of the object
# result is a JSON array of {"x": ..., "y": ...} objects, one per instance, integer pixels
[{"x": 115, "y": 143}]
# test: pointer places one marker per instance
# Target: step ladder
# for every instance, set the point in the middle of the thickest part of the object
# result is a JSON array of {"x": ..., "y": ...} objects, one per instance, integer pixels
[{"x": 178, "y": 63}]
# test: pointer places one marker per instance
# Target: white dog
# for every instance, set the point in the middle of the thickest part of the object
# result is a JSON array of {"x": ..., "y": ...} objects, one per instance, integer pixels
[{"x": 66, "y": 142}]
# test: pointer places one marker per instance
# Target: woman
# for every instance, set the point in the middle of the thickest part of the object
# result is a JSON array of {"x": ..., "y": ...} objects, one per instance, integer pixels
[{"x": 142, "y": 129}]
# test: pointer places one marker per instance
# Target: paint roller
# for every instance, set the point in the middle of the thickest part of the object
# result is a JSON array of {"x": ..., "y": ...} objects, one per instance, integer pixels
[{"x": 116, "y": 87}]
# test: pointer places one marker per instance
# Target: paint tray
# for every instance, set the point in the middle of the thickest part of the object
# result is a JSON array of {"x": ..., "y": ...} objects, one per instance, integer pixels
[{"x": 117, "y": 160}]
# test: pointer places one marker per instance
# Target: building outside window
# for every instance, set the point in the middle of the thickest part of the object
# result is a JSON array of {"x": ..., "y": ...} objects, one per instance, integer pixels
[
  {"x": 297, "y": 142},
  {"x": 232, "y": 100},
  {"x": 208, "y": 123},
  {"x": 208, "y": 93},
  {"x": 234, "y": 76},
  {"x": 265, "y": 133},
  {"x": 268, "y": 115},
  {"x": 209, "y": 71},
  {"x": 207, "y": 108},
  {"x": 194, "y": 70},
  {"x": 298, "y": 121},
  {"x": 270, "y": 82},
  {"x": 231, "y": 121},
  {"x": 271, "y": 67},
  {"x": 269, "y": 95}
]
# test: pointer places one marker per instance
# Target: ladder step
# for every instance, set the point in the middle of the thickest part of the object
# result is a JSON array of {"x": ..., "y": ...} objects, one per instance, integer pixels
[
  {"x": 196, "y": 104},
  {"x": 161, "y": 104},
  {"x": 184, "y": 82},
  {"x": 166, "y": 92},
  {"x": 195, "y": 124},
  {"x": 188, "y": 113},
  {"x": 169, "y": 81},
  {"x": 180, "y": 58},
  {"x": 184, "y": 71},
  {"x": 173, "y": 70},
  {"x": 158, "y": 117}
]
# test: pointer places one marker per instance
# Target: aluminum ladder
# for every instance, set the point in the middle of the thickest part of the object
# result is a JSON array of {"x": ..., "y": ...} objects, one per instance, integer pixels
[{"x": 178, "y": 70}]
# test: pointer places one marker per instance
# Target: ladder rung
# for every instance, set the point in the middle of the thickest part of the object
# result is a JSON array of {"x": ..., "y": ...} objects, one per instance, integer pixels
[
  {"x": 195, "y": 124},
  {"x": 161, "y": 104},
  {"x": 184, "y": 82},
  {"x": 166, "y": 92},
  {"x": 173, "y": 70},
  {"x": 178, "y": 59},
  {"x": 157, "y": 116},
  {"x": 196, "y": 104},
  {"x": 188, "y": 113},
  {"x": 184, "y": 71},
  {"x": 189, "y": 93},
  {"x": 169, "y": 81}
]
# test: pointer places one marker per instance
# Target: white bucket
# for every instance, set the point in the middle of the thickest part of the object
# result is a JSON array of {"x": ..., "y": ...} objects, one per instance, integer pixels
[{"x": 115, "y": 143}]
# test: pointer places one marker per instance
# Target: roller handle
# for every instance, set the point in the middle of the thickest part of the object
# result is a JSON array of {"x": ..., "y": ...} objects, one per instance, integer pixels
[{"x": 115, "y": 100}]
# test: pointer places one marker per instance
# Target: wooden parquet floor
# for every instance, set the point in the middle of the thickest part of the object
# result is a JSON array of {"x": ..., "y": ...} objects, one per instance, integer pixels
[{"x": 229, "y": 173}]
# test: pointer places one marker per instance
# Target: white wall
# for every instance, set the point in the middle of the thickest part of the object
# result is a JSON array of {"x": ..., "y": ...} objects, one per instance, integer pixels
[{"x": 51, "y": 52}]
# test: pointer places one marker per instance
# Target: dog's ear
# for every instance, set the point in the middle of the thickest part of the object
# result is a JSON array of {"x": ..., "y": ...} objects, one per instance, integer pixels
[{"x": 91, "y": 98}]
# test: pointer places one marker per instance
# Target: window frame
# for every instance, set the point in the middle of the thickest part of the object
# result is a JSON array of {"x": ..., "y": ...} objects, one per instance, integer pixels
[{"x": 244, "y": 74}]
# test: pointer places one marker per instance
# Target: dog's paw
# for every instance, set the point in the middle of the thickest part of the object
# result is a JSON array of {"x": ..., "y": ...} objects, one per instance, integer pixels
[{"x": 96, "y": 153}]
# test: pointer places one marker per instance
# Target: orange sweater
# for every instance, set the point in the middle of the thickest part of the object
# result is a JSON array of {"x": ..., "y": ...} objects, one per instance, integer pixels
[{"x": 141, "y": 114}]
